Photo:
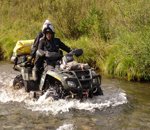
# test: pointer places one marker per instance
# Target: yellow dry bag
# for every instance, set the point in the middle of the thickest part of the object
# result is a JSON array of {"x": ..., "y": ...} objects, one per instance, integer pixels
[{"x": 23, "y": 47}]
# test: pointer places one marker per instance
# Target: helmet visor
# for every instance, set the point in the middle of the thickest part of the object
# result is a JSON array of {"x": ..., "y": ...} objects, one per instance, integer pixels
[{"x": 48, "y": 31}]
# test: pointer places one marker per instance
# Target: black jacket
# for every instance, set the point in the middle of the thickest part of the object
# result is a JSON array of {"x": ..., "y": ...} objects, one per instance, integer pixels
[
  {"x": 53, "y": 46},
  {"x": 35, "y": 44}
]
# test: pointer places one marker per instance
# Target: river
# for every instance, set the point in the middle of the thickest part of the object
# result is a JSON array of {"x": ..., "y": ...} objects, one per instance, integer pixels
[{"x": 124, "y": 106}]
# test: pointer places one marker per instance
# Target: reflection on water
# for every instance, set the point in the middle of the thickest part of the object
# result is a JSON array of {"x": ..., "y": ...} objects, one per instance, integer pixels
[{"x": 123, "y": 106}]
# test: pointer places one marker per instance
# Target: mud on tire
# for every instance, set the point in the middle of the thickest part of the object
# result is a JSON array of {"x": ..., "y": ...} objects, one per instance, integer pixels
[{"x": 18, "y": 82}]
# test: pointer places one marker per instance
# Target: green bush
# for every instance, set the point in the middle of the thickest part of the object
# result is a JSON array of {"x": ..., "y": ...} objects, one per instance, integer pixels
[{"x": 114, "y": 34}]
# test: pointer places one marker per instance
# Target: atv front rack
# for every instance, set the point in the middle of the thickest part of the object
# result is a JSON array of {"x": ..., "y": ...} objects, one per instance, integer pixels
[{"x": 83, "y": 83}]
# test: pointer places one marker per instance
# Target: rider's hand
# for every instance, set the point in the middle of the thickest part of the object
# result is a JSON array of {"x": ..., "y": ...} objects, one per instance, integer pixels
[
  {"x": 47, "y": 53},
  {"x": 28, "y": 62}
]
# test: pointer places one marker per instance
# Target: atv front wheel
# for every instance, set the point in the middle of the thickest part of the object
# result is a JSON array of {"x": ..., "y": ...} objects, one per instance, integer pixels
[
  {"x": 98, "y": 92},
  {"x": 54, "y": 88}
]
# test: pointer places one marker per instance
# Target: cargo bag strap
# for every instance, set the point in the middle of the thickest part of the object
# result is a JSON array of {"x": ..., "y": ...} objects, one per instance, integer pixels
[{"x": 15, "y": 63}]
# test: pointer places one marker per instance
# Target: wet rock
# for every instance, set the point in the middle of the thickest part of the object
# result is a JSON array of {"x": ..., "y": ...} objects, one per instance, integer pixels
[
  {"x": 7, "y": 127},
  {"x": 44, "y": 127},
  {"x": 85, "y": 127},
  {"x": 19, "y": 127},
  {"x": 94, "y": 119},
  {"x": 13, "y": 117}
]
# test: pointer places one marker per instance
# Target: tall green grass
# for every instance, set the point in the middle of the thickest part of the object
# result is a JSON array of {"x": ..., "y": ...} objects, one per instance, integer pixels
[{"x": 114, "y": 34}]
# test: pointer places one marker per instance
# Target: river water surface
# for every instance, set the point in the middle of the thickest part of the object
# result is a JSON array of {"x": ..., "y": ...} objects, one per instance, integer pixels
[{"x": 124, "y": 106}]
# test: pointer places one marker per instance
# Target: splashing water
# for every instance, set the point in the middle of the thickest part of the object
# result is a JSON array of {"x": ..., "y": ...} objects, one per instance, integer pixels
[
  {"x": 66, "y": 127},
  {"x": 112, "y": 98},
  {"x": 47, "y": 105}
]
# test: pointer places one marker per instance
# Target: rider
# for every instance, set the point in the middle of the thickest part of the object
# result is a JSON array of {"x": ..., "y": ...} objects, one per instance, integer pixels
[
  {"x": 48, "y": 47},
  {"x": 36, "y": 42}
]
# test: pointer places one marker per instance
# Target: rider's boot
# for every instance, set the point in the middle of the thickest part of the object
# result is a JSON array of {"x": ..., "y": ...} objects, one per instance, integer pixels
[
  {"x": 37, "y": 64},
  {"x": 35, "y": 73}
]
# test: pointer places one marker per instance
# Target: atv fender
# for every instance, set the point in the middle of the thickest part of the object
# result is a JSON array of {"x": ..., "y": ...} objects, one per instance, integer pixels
[{"x": 53, "y": 74}]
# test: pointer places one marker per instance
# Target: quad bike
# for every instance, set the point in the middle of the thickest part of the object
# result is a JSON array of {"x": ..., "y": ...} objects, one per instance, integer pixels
[{"x": 69, "y": 79}]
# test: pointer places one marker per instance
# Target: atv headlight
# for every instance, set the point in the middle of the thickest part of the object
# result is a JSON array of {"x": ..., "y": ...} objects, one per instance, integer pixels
[
  {"x": 71, "y": 84},
  {"x": 95, "y": 81}
]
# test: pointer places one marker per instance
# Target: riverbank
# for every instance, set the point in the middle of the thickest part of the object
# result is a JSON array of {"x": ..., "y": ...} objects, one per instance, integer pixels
[
  {"x": 96, "y": 56},
  {"x": 114, "y": 35}
]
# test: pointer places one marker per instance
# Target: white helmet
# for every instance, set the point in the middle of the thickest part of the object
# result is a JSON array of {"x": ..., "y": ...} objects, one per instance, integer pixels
[{"x": 48, "y": 25}]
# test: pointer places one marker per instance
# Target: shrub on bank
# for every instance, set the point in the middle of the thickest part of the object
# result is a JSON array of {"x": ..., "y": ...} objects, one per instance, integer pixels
[{"x": 114, "y": 35}]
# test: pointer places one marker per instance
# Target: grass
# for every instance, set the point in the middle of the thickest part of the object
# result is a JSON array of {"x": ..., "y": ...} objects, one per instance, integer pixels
[{"x": 114, "y": 35}]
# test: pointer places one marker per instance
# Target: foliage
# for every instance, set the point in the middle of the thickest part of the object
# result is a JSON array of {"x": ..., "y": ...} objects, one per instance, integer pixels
[
  {"x": 94, "y": 23},
  {"x": 67, "y": 15},
  {"x": 114, "y": 34}
]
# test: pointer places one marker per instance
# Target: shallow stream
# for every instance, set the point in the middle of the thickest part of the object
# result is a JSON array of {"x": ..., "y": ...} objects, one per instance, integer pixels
[{"x": 124, "y": 106}]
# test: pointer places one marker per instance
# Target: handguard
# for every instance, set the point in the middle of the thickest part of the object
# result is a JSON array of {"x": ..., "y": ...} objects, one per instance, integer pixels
[
  {"x": 76, "y": 52},
  {"x": 53, "y": 55}
]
